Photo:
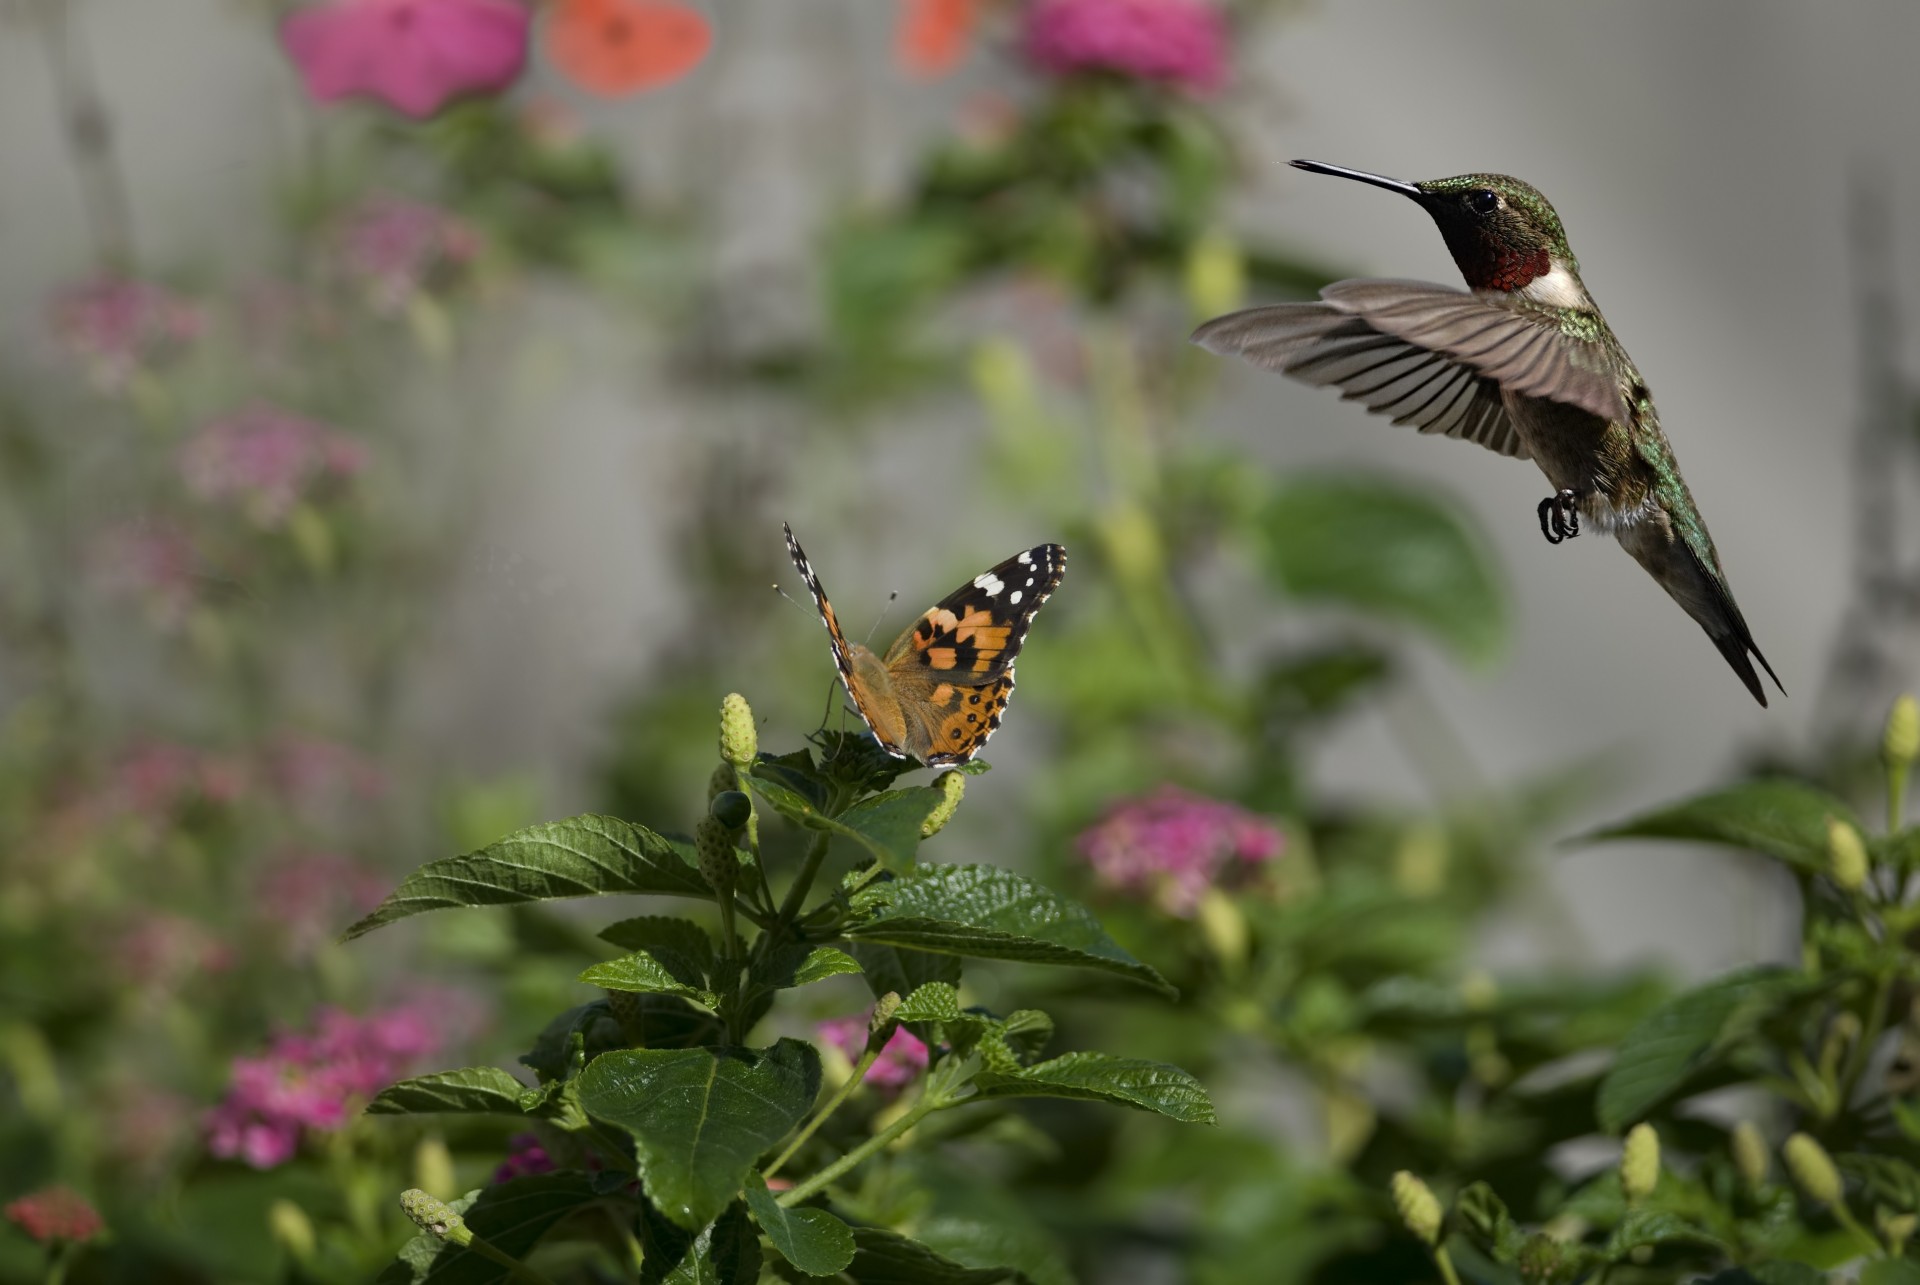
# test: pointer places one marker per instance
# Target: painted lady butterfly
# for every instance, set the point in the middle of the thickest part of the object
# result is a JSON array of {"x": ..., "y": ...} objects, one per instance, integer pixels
[{"x": 938, "y": 693}]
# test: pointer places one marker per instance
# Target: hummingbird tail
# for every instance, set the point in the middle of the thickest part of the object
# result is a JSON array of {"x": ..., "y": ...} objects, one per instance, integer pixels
[
  {"x": 1726, "y": 626},
  {"x": 1735, "y": 647}
]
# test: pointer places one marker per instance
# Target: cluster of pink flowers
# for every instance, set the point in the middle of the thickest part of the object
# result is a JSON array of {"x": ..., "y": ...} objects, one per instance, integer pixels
[
  {"x": 158, "y": 778},
  {"x": 266, "y": 459},
  {"x": 392, "y": 247},
  {"x": 1180, "y": 42},
  {"x": 310, "y": 896},
  {"x": 151, "y": 561},
  {"x": 525, "y": 1157},
  {"x": 413, "y": 55},
  {"x": 901, "y": 1060},
  {"x": 55, "y": 1214},
  {"x": 1171, "y": 845},
  {"x": 116, "y": 327},
  {"x": 315, "y": 1082},
  {"x": 159, "y": 951}
]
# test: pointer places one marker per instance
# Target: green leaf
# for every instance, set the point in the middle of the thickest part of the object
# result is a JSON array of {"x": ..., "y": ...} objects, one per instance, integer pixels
[
  {"x": 811, "y": 1239},
  {"x": 991, "y": 913},
  {"x": 513, "y": 1215},
  {"x": 798, "y": 964},
  {"x": 664, "y": 937},
  {"x": 701, "y": 1117},
  {"x": 1101, "y": 1077},
  {"x": 1643, "y": 1227},
  {"x": 1389, "y": 550},
  {"x": 887, "y": 826},
  {"x": 889, "y": 968},
  {"x": 485, "y": 1090},
  {"x": 726, "y": 1253},
  {"x": 1484, "y": 1217},
  {"x": 1684, "y": 1036},
  {"x": 643, "y": 973},
  {"x": 584, "y": 856},
  {"x": 1779, "y": 1273},
  {"x": 1782, "y": 819},
  {"x": 1891, "y": 1271},
  {"x": 883, "y": 1257}
]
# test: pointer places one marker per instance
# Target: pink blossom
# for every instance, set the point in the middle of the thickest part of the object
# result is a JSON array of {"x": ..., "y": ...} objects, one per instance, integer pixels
[
  {"x": 901, "y": 1060},
  {"x": 1181, "y": 42},
  {"x": 525, "y": 1157},
  {"x": 55, "y": 1213},
  {"x": 393, "y": 246},
  {"x": 159, "y": 951},
  {"x": 151, "y": 561},
  {"x": 308, "y": 897},
  {"x": 413, "y": 55},
  {"x": 315, "y": 1082},
  {"x": 1172, "y": 844},
  {"x": 157, "y": 778},
  {"x": 267, "y": 459},
  {"x": 116, "y": 327}
]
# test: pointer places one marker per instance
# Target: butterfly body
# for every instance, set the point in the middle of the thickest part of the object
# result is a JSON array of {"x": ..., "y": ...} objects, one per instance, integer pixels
[{"x": 940, "y": 689}]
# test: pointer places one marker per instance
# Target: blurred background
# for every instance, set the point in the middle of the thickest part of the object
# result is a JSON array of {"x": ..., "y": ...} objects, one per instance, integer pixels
[{"x": 383, "y": 473}]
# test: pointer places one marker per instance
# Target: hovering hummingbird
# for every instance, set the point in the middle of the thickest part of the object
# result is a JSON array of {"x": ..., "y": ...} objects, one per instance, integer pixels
[{"x": 1524, "y": 365}]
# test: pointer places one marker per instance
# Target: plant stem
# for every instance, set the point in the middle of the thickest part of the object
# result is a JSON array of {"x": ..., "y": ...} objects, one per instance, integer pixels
[
  {"x": 1444, "y": 1262},
  {"x": 803, "y": 882},
  {"x": 1844, "y": 1216},
  {"x": 1856, "y": 1061},
  {"x": 840, "y": 1095},
  {"x": 929, "y": 1102},
  {"x": 1896, "y": 796}
]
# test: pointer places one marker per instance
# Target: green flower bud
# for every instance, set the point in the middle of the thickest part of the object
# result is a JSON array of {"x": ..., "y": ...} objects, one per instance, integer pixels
[
  {"x": 1541, "y": 1258},
  {"x": 713, "y": 844},
  {"x": 739, "y": 742},
  {"x": 1750, "y": 1154},
  {"x": 1895, "y": 1229},
  {"x": 1901, "y": 744},
  {"x": 951, "y": 786},
  {"x": 1224, "y": 927},
  {"x": 292, "y": 1229},
  {"x": 881, "y": 1025},
  {"x": 433, "y": 1165},
  {"x": 628, "y": 1010},
  {"x": 724, "y": 778},
  {"x": 731, "y": 809},
  {"x": 1640, "y": 1163},
  {"x": 434, "y": 1216},
  {"x": 1846, "y": 856},
  {"x": 1813, "y": 1169},
  {"x": 1419, "y": 1211}
]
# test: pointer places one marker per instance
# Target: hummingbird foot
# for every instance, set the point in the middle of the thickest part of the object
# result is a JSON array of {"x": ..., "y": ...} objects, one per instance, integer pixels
[{"x": 1560, "y": 516}]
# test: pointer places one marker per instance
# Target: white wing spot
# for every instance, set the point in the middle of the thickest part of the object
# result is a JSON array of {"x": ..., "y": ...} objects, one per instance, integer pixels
[
  {"x": 1025, "y": 557},
  {"x": 1014, "y": 597},
  {"x": 988, "y": 583}
]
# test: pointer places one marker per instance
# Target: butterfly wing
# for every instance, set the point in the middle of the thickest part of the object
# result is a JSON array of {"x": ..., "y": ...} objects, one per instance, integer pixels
[
  {"x": 952, "y": 671},
  {"x": 877, "y": 706}
]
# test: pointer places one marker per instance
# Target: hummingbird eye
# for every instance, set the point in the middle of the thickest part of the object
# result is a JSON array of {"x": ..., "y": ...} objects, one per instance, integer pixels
[{"x": 1483, "y": 200}]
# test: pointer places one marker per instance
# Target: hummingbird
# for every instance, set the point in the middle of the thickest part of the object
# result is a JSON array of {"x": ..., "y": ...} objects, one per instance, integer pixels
[{"x": 1522, "y": 363}]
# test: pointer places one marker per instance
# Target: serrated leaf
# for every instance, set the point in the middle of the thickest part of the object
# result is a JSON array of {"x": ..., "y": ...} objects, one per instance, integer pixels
[
  {"x": 1786, "y": 820},
  {"x": 1643, "y": 1227},
  {"x": 726, "y": 1253},
  {"x": 473, "y": 1090},
  {"x": 1682, "y": 1037},
  {"x": 1484, "y": 1217},
  {"x": 890, "y": 968},
  {"x": 701, "y": 1117},
  {"x": 887, "y": 826},
  {"x": 644, "y": 974},
  {"x": 664, "y": 936},
  {"x": 583, "y": 856},
  {"x": 512, "y": 1215},
  {"x": 813, "y": 1240},
  {"x": 1389, "y": 550},
  {"x": 883, "y": 1257},
  {"x": 1102, "y": 1077},
  {"x": 798, "y": 964},
  {"x": 991, "y": 913}
]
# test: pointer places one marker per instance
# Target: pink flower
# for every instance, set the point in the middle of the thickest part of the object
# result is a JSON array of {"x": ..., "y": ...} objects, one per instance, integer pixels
[
  {"x": 153, "y": 562},
  {"x": 525, "y": 1157},
  {"x": 159, "y": 952},
  {"x": 313, "y": 773},
  {"x": 413, "y": 55},
  {"x": 158, "y": 778},
  {"x": 901, "y": 1060},
  {"x": 116, "y": 327},
  {"x": 55, "y": 1213},
  {"x": 1172, "y": 844},
  {"x": 315, "y": 1082},
  {"x": 392, "y": 247},
  {"x": 308, "y": 897},
  {"x": 267, "y": 459},
  {"x": 1181, "y": 42}
]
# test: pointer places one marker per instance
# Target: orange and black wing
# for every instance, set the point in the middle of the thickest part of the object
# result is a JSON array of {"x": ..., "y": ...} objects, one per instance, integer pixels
[{"x": 842, "y": 650}]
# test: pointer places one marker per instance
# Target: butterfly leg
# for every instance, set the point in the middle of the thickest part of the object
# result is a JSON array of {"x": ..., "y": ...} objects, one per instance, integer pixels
[{"x": 1560, "y": 516}]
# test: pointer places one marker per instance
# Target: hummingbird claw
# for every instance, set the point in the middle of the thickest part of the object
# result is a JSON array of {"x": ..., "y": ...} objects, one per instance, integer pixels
[{"x": 1560, "y": 516}]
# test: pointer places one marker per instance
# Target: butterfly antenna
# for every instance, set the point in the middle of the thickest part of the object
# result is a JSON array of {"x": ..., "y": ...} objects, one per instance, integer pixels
[
  {"x": 891, "y": 598},
  {"x": 791, "y": 600}
]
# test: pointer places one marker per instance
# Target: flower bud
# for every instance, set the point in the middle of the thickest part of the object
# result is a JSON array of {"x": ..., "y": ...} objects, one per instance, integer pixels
[
  {"x": 433, "y": 1165},
  {"x": 1419, "y": 1211},
  {"x": 1640, "y": 1163},
  {"x": 731, "y": 808},
  {"x": 724, "y": 778},
  {"x": 292, "y": 1229},
  {"x": 951, "y": 786},
  {"x": 1901, "y": 744},
  {"x": 1223, "y": 926},
  {"x": 880, "y": 1026},
  {"x": 713, "y": 844},
  {"x": 1750, "y": 1154},
  {"x": 434, "y": 1216},
  {"x": 739, "y": 742},
  {"x": 628, "y": 1010},
  {"x": 1896, "y": 1229},
  {"x": 1846, "y": 856},
  {"x": 1813, "y": 1169}
]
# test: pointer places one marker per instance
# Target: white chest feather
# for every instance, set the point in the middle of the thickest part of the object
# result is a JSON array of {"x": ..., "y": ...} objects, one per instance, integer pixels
[{"x": 1557, "y": 288}]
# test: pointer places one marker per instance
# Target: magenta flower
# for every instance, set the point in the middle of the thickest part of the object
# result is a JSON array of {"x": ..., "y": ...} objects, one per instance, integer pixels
[
  {"x": 158, "y": 952},
  {"x": 901, "y": 1060},
  {"x": 314, "y": 1082},
  {"x": 393, "y": 246},
  {"x": 1171, "y": 845},
  {"x": 55, "y": 1214},
  {"x": 525, "y": 1157},
  {"x": 1180, "y": 42},
  {"x": 117, "y": 328},
  {"x": 267, "y": 459},
  {"x": 413, "y": 55},
  {"x": 309, "y": 897}
]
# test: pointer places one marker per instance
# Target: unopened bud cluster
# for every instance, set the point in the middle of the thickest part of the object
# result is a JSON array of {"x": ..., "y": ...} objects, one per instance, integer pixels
[
  {"x": 1419, "y": 1210},
  {"x": 952, "y": 785},
  {"x": 1750, "y": 1154},
  {"x": 739, "y": 742},
  {"x": 1640, "y": 1163},
  {"x": 1846, "y": 855},
  {"x": 1901, "y": 744},
  {"x": 1813, "y": 1169},
  {"x": 713, "y": 844},
  {"x": 880, "y": 1026},
  {"x": 433, "y": 1215}
]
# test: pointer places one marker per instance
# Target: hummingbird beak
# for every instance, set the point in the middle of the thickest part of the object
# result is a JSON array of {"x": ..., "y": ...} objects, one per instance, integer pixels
[{"x": 1340, "y": 171}]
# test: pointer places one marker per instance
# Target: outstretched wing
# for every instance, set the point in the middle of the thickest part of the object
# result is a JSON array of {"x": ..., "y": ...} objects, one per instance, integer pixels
[
  {"x": 842, "y": 655},
  {"x": 865, "y": 682},
  {"x": 1424, "y": 355},
  {"x": 952, "y": 671}
]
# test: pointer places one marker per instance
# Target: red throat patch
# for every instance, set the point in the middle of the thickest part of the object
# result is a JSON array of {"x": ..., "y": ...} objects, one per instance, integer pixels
[{"x": 1503, "y": 269}]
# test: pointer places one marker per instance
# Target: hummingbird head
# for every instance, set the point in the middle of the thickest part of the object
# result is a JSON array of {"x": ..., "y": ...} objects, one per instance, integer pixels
[{"x": 1501, "y": 232}]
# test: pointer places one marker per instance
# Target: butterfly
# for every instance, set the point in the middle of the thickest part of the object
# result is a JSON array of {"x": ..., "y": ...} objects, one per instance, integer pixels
[{"x": 940, "y": 690}]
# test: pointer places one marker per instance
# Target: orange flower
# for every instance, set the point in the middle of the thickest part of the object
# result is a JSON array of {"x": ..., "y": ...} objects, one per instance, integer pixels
[
  {"x": 619, "y": 47},
  {"x": 933, "y": 36}
]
